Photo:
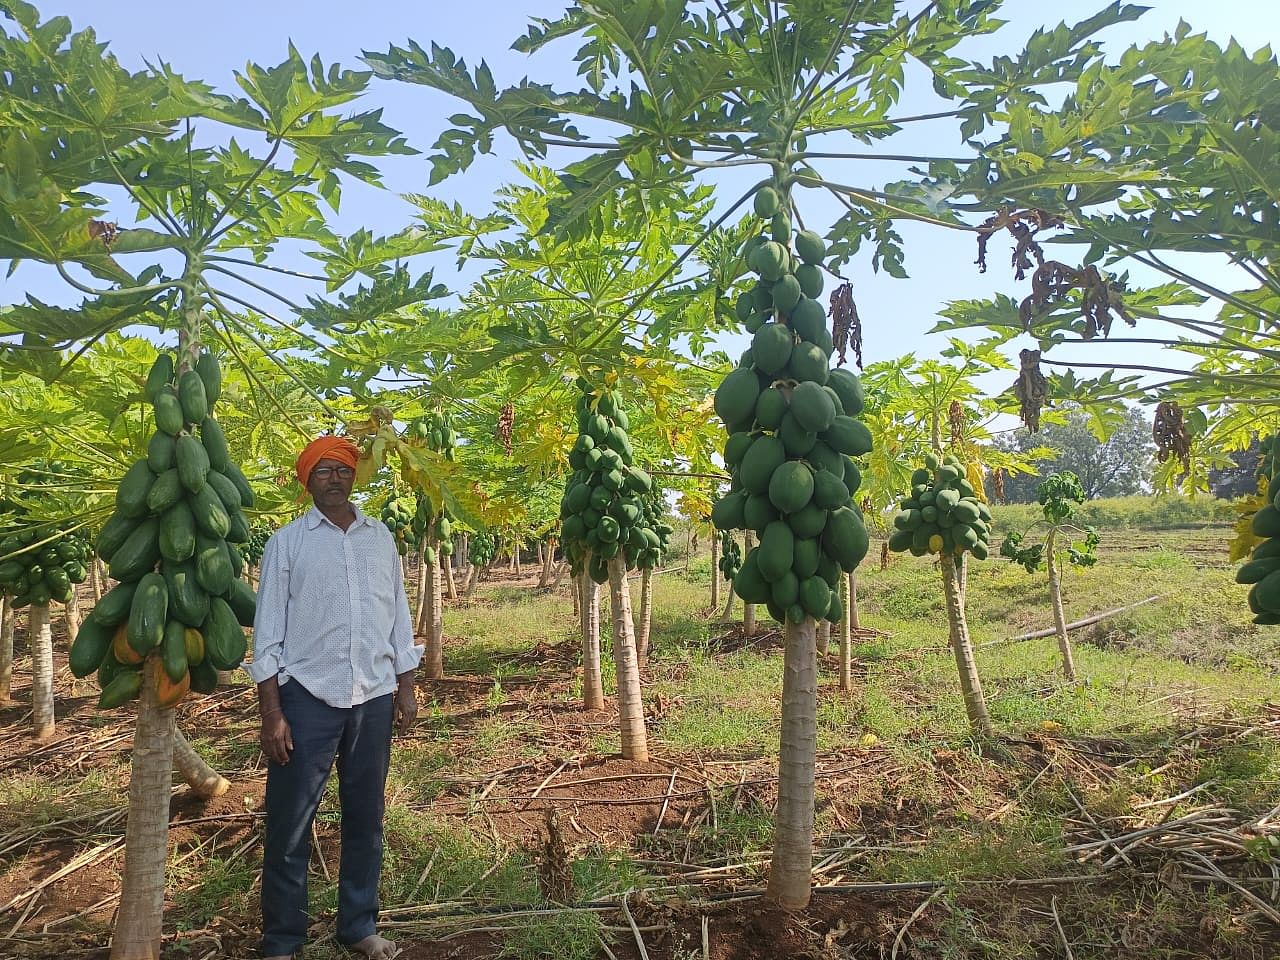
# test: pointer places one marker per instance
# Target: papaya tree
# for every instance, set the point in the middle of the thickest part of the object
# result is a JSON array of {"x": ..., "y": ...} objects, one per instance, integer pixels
[
  {"x": 944, "y": 516},
  {"x": 78, "y": 127},
  {"x": 1057, "y": 495},
  {"x": 1180, "y": 266},
  {"x": 608, "y": 531},
  {"x": 678, "y": 90}
]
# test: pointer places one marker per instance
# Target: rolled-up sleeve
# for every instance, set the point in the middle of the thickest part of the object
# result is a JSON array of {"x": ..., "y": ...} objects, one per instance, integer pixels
[
  {"x": 407, "y": 654},
  {"x": 271, "y": 618}
]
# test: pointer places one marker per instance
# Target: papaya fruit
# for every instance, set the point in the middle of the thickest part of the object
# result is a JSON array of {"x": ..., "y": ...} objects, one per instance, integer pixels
[
  {"x": 808, "y": 362},
  {"x": 113, "y": 534},
  {"x": 139, "y": 553},
  {"x": 748, "y": 583},
  {"x": 811, "y": 407},
  {"x": 234, "y": 474},
  {"x": 758, "y": 512},
  {"x": 791, "y": 486},
  {"x": 204, "y": 676},
  {"x": 160, "y": 452},
  {"x": 848, "y": 436},
  {"x": 193, "y": 646},
  {"x": 133, "y": 490},
  {"x": 124, "y": 654},
  {"x": 785, "y": 590},
  {"x": 224, "y": 642},
  {"x": 210, "y": 516},
  {"x": 759, "y": 462},
  {"x": 849, "y": 389},
  {"x": 810, "y": 247},
  {"x": 1266, "y": 522},
  {"x": 796, "y": 440},
  {"x": 735, "y": 398},
  {"x": 777, "y": 551},
  {"x": 165, "y": 492},
  {"x": 811, "y": 281},
  {"x": 771, "y": 406},
  {"x": 148, "y": 614},
  {"x": 766, "y": 202},
  {"x": 160, "y": 375},
  {"x": 92, "y": 641},
  {"x": 210, "y": 374},
  {"x": 771, "y": 347},
  {"x": 173, "y": 651},
  {"x": 192, "y": 397},
  {"x": 123, "y": 687},
  {"x": 213, "y": 567},
  {"x": 167, "y": 410}
]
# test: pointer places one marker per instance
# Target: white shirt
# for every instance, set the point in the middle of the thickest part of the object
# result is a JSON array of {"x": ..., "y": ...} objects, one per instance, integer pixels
[{"x": 332, "y": 611}]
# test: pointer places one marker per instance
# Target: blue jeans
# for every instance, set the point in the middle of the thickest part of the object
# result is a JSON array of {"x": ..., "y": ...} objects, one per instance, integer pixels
[{"x": 360, "y": 737}]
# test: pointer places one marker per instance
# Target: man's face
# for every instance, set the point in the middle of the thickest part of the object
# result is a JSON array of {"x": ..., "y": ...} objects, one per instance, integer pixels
[{"x": 327, "y": 485}]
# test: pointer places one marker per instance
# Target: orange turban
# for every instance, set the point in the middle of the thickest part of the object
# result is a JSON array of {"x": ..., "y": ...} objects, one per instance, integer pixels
[{"x": 325, "y": 448}]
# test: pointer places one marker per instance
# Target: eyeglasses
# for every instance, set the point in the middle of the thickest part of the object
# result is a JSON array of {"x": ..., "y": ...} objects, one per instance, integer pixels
[{"x": 324, "y": 473}]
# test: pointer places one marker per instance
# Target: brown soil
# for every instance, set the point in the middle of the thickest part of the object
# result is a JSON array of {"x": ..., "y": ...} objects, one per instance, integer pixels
[{"x": 603, "y": 801}]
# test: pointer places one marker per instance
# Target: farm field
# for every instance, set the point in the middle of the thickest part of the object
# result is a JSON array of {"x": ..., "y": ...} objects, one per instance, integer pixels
[{"x": 1128, "y": 816}]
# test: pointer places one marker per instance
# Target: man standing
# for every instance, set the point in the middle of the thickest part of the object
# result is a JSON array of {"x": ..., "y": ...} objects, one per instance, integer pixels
[{"x": 334, "y": 659}]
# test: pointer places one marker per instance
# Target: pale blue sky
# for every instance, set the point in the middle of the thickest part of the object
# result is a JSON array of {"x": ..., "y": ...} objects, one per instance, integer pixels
[{"x": 210, "y": 42}]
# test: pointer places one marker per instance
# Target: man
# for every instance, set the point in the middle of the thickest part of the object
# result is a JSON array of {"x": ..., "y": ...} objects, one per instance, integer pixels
[{"x": 334, "y": 659}]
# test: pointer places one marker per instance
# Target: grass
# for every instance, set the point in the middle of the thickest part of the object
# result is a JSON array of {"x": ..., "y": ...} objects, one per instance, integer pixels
[{"x": 934, "y": 802}]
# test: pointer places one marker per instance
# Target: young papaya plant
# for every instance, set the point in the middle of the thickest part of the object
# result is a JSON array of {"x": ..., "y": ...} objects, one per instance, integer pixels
[
  {"x": 944, "y": 515},
  {"x": 1057, "y": 495}
]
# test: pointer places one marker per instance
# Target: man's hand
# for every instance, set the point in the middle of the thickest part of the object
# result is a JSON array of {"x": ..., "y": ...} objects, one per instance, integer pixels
[
  {"x": 276, "y": 737},
  {"x": 406, "y": 706}
]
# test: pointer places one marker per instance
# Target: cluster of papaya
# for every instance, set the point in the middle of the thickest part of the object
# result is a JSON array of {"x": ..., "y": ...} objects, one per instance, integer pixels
[
  {"x": 44, "y": 564},
  {"x": 603, "y": 510},
  {"x": 653, "y": 508},
  {"x": 437, "y": 430},
  {"x": 400, "y": 520},
  {"x": 943, "y": 514},
  {"x": 1262, "y": 569},
  {"x": 443, "y": 529},
  {"x": 259, "y": 534},
  {"x": 730, "y": 556},
  {"x": 792, "y": 431},
  {"x": 172, "y": 545},
  {"x": 482, "y": 549}
]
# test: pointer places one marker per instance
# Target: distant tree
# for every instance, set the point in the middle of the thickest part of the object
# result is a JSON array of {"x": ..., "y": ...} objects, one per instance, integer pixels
[
  {"x": 1116, "y": 467},
  {"x": 1240, "y": 479}
]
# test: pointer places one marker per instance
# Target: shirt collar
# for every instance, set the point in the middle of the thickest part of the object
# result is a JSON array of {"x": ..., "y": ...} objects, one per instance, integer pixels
[{"x": 314, "y": 518}]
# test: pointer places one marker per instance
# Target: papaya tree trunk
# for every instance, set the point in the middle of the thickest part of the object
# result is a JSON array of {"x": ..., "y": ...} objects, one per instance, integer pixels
[
  {"x": 137, "y": 934},
  {"x": 547, "y": 557},
  {"x": 447, "y": 564},
  {"x": 95, "y": 580},
  {"x": 791, "y": 870},
  {"x": 577, "y": 599},
  {"x": 41, "y": 640},
  {"x": 646, "y": 616},
  {"x": 748, "y": 609},
  {"x": 635, "y": 744},
  {"x": 727, "y": 612},
  {"x": 203, "y": 780},
  {"x": 1059, "y": 616},
  {"x": 848, "y": 623},
  {"x": 823, "y": 640},
  {"x": 71, "y": 615},
  {"x": 560, "y": 568},
  {"x": 432, "y": 626},
  {"x": 589, "y": 612},
  {"x": 6, "y": 648},
  {"x": 473, "y": 580},
  {"x": 715, "y": 573},
  {"x": 975, "y": 703},
  {"x": 420, "y": 618}
]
